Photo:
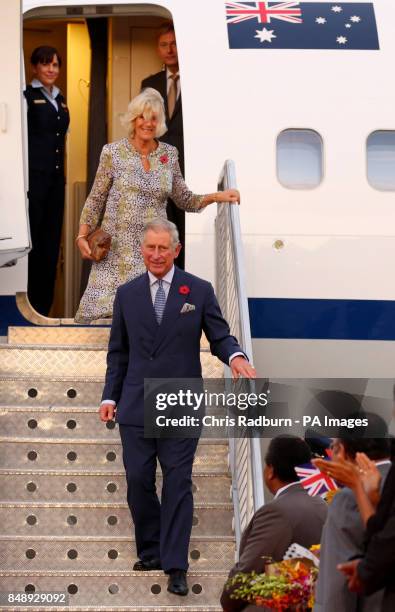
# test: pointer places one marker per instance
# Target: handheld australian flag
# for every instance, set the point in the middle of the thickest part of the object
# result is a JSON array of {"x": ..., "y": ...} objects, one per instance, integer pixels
[{"x": 301, "y": 25}]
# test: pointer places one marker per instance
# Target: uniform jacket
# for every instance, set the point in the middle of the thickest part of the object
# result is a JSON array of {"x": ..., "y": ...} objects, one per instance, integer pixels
[{"x": 47, "y": 129}]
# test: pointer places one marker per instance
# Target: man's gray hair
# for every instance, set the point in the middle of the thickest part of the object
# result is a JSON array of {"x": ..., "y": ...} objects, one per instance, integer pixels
[{"x": 162, "y": 225}]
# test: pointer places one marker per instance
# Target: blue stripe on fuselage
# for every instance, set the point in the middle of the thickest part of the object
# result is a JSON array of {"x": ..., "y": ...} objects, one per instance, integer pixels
[{"x": 322, "y": 319}]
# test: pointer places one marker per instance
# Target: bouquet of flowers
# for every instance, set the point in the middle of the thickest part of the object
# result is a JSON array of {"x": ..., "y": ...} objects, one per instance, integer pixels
[{"x": 286, "y": 585}]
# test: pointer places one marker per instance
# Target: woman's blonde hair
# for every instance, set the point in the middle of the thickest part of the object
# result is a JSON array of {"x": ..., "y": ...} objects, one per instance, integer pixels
[{"x": 149, "y": 102}]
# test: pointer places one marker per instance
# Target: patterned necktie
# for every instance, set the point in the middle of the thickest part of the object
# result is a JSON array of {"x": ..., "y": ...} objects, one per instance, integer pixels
[
  {"x": 172, "y": 95},
  {"x": 160, "y": 301}
]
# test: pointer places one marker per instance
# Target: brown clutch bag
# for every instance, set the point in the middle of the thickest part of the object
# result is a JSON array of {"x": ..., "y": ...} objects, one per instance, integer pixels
[{"x": 99, "y": 243}]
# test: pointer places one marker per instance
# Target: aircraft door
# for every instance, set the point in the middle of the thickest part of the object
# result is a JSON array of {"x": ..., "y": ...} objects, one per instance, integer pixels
[{"x": 14, "y": 229}]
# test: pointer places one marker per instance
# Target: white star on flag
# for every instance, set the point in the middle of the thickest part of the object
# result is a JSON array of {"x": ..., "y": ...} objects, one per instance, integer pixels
[
  {"x": 348, "y": 25},
  {"x": 337, "y": 9},
  {"x": 355, "y": 19},
  {"x": 265, "y": 35},
  {"x": 341, "y": 40},
  {"x": 320, "y": 20}
]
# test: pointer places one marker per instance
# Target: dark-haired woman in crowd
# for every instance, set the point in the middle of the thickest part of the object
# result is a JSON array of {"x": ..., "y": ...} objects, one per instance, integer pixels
[{"x": 48, "y": 121}]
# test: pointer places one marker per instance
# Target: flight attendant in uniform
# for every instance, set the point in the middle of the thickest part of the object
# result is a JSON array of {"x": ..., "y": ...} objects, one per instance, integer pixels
[{"x": 48, "y": 121}]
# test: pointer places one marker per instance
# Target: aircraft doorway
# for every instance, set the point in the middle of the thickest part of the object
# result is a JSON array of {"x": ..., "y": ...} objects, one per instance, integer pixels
[{"x": 130, "y": 56}]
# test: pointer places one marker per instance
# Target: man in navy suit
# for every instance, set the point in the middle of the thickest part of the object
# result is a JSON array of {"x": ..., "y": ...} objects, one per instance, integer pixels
[{"x": 153, "y": 335}]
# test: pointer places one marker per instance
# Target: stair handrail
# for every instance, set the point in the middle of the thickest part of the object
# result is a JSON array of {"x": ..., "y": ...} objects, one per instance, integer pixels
[{"x": 244, "y": 453}]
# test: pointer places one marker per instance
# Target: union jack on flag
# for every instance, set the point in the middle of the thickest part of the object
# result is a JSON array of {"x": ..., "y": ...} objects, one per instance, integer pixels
[
  {"x": 264, "y": 12},
  {"x": 314, "y": 481}
]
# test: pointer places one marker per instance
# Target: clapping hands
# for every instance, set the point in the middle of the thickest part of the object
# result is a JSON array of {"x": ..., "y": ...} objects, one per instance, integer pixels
[{"x": 349, "y": 474}]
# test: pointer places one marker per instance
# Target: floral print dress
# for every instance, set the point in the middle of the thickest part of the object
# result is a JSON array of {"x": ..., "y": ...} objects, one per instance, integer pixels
[{"x": 124, "y": 197}]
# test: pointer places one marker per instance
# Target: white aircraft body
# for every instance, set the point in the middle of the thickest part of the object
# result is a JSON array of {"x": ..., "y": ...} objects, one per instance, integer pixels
[{"x": 301, "y": 96}]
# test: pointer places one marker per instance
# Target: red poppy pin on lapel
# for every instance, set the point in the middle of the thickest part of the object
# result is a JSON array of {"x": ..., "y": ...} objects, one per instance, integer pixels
[{"x": 184, "y": 290}]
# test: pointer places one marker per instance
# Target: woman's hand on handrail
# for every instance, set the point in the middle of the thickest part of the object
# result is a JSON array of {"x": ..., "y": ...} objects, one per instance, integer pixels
[{"x": 230, "y": 196}]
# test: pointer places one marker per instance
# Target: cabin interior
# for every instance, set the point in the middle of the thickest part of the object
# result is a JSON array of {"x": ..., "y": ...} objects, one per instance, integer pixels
[{"x": 105, "y": 56}]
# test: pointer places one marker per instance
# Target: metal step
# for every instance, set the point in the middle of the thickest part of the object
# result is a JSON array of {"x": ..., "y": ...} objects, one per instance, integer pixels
[
  {"x": 79, "y": 486},
  {"x": 118, "y": 591},
  {"x": 45, "y": 361},
  {"x": 65, "y": 334},
  {"x": 102, "y": 553},
  {"x": 62, "y": 422},
  {"x": 59, "y": 335},
  {"x": 34, "y": 391},
  {"x": 89, "y": 455},
  {"x": 62, "y": 519}
]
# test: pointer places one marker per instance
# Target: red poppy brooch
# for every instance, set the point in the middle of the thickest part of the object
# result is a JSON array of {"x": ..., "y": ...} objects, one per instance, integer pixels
[
  {"x": 184, "y": 290},
  {"x": 163, "y": 159}
]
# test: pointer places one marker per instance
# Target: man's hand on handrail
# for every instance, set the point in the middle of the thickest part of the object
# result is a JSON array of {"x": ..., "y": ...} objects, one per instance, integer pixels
[{"x": 241, "y": 368}]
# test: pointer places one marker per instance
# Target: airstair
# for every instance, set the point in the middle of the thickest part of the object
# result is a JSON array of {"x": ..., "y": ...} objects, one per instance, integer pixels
[
  {"x": 64, "y": 521},
  {"x": 65, "y": 526}
]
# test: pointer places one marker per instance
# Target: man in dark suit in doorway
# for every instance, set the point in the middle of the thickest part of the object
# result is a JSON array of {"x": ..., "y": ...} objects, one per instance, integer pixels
[
  {"x": 156, "y": 328},
  {"x": 167, "y": 82}
]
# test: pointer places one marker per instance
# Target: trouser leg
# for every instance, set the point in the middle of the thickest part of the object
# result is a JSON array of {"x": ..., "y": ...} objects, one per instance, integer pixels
[
  {"x": 139, "y": 457},
  {"x": 46, "y": 206},
  {"x": 176, "y": 459}
]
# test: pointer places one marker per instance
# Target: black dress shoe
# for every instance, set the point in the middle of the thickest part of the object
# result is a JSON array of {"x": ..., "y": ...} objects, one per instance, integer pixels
[
  {"x": 147, "y": 565},
  {"x": 178, "y": 582}
]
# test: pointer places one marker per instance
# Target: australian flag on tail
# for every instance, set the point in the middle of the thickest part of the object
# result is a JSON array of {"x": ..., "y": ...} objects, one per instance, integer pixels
[{"x": 301, "y": 25}]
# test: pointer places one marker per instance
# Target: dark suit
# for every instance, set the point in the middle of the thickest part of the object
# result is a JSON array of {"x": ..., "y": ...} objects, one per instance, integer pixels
[
  {"x": 175, "y": 137},
  {"x": 140, "y": 348},
  {"x": 377, "y": 568},
  {"x": 47, "y": 128},
  {"x": 293, "y": 516},
  {"x": 342, "y": 539}
]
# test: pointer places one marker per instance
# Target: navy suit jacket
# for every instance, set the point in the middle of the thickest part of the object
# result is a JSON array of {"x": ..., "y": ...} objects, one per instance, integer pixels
[{"x": 140, "y": 348}]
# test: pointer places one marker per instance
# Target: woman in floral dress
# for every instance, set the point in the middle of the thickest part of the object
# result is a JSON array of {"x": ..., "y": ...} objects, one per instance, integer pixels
[{"x": 135, "y": 177}]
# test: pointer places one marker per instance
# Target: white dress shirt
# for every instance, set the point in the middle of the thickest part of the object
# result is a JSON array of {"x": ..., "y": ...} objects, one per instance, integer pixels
[
  {"x": 285, "y": 487},
  {"x": 50, "y": 95},
  {"x": 153, "y": 283}
]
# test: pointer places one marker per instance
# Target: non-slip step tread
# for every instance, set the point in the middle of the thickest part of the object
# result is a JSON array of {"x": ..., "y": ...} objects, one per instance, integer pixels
[
  {"x": 131, "y": 592},
  {"x": 104, "y": 539},
  {"x": 112, "y": 553},
  {"x": 115, "y": 473},
  {"x": 99, "y": 573},
  {"x": 71, "y": 505}
]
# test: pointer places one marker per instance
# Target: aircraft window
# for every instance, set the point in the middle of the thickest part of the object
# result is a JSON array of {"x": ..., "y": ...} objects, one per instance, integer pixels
[
  {"x": 381, "y": 159},
  {"x": 299, "y": 159}
]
